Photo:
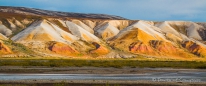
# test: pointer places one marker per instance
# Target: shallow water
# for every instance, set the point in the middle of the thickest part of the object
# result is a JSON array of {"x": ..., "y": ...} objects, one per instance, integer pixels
[{"x": 157, "y": 76}]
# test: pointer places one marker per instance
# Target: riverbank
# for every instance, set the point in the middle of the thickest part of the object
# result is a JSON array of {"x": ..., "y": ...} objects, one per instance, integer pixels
[
  {"x": 88, "y": 70},
  {"x": 104, "y": 66},
  {"x": 96, "y": 83},
  {"x": 140, "y": 72},
  {"x": 115, "y": 63}
]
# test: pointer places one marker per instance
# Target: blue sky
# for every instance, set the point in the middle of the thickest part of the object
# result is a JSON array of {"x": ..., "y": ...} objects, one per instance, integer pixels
[{"x": 157, "y": 10}]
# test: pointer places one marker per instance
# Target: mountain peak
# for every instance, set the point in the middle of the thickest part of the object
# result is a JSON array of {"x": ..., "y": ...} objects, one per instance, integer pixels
[{"x": 54, "y": 34}]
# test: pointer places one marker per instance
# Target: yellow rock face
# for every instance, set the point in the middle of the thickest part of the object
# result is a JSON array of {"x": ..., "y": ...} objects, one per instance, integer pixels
[
  {"x": 39, "y": 37},
  {"x": 132, "y": 37},
  {"x": 84, "y": 26},
  {"x": 73, "y": 36},
  {"x": 163, "y": 47},
  {"x": 172, "y": 37},
  {"x": 89, "y": 23},
  {"x": 120, "y": 24},
  {"x": 4, "y": 49},
  {"x": 100, "y": 50},
  {"x": 136, "y": 34},
  {"x": 195, "y": 48},
  {"x": 2, "y": 37}
]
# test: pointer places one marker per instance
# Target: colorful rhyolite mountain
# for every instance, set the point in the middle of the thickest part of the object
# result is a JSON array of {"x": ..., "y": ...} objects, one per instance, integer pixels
[{"x": 42, "y": 33}]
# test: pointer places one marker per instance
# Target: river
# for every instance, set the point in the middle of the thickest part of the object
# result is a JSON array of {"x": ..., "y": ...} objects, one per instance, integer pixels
[{"x": 157, "y": 76}]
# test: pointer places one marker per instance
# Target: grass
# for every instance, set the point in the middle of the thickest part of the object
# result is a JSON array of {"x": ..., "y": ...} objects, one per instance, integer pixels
[
  {"x": 119, "y": 63},
  {"x": 16, "y": 47}
]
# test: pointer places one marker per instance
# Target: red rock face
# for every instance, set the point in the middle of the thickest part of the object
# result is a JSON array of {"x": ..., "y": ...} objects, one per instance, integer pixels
[
  {"x": 101, "y": 50},
  {"x": 164, "y": 47},
  {"x": 4, "y": 49},
  {"x": 62, "y": 49},
  {"x": 153, "y": 47},
  {"x": 139, "y": 47}
]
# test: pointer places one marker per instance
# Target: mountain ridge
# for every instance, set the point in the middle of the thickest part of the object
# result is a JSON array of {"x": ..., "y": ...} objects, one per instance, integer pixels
[
  {"x": 40, "y": 12},
  {"x": 51, "y": 36}
]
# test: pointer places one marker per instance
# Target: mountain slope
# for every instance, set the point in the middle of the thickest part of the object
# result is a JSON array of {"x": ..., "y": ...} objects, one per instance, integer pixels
[
  {"x": 60, "y": 34},
  {"x": 107, "y": 31},
  {"x": 81, "y": 33},
  {"x": 44, "y": 31},
  {"x": 39, "y": 12}
]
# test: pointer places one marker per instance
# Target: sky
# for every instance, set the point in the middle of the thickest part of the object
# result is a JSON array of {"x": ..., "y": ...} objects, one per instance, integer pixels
[{"x": 154, "y": 10}]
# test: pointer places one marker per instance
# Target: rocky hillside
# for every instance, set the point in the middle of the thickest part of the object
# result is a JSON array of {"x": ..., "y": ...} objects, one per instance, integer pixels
[
  {"x": 39, "y": 12},
  {"x": 27, "y": 32}
]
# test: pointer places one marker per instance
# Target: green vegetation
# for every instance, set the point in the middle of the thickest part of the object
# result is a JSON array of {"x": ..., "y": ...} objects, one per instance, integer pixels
[
  {"x": 62, "y": 83},
  {"x": 17, "y": 47},
  {"x": 102, "y": 63}
]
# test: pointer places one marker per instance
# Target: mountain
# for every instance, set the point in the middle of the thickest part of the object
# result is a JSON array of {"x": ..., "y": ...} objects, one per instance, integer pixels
[
  {"x": 39, "y": 12},
  {"x": 29, "y": 32}
]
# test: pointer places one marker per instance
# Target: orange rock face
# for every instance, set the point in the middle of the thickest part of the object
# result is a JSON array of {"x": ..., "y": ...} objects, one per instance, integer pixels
[
  {"x": 100, "y": 50},
  {"x": 61, "y": 48},
  {"x": 195, "y": 48},
  {"x": 164, "y": 47},
  {"x": 4, "y": 49},
  {"x": 154, "y": 47},
  {"x": 139, "y": 47}
]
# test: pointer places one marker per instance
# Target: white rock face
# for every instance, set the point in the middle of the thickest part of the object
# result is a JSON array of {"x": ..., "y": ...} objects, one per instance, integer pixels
[
  {"x": 26, "y": 21},
  {"x": 190, "y": 27},
  {"x": 166, "y": 28},
  {"x": 62, "y": 22},
  {"x": 119, "y": 24},
  {"x": 12, "y": 25},
  {"x": 89, "y": 23},
  {"x": 44, "y": 31},
  {"x": 149, "y": 28},
  {"x": 81, "y": 33},
  {"x": 84, "y": 26},
  {"x": 4, "y": 30},
  {"x": 114, "y": 23},
  {"x": 192, "y": 31},
  {"x": 18, "y": 23},
  {"x": 107, "y": 31},
  {"x": 143, "y": 26},
  {"x": 2, "y": 37}
]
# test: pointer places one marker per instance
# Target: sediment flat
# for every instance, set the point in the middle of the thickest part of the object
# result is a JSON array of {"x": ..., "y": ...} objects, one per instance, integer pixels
[
  {"x": 97, "y": 83},
  {"x": 93, "y": 70},
  {"x": 88, "y": 70}
]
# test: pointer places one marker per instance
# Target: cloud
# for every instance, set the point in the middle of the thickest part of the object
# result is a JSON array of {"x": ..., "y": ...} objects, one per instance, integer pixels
[{"x": 132, "y": 9}]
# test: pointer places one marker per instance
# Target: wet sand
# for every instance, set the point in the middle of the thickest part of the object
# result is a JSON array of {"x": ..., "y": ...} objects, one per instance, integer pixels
[{"x": 88, "y": 70}]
